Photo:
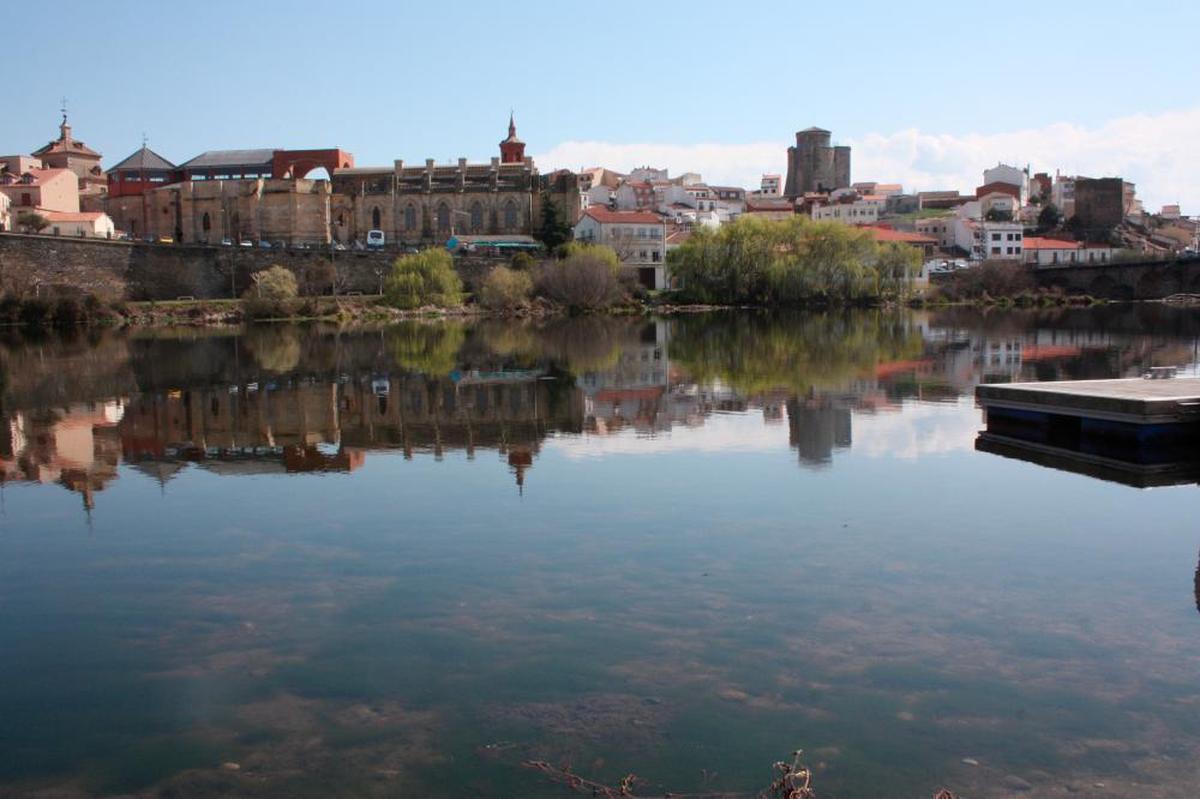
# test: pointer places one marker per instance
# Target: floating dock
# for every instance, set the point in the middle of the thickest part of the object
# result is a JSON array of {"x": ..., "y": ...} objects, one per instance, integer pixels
[{"x": 1139, "y": 431}]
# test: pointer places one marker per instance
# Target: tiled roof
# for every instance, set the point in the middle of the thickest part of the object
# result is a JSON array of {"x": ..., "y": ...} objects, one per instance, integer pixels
[
  {"x": 1042, "y": 243},
  {"x": 145, "y": 158},
  {"x": 605, "y": 216},
  {"x": 888, "y": 234},
  {"x": 39, "y": 175},
  {"x": 72, "y": 147},
  {"x": 213, "y": 159}
]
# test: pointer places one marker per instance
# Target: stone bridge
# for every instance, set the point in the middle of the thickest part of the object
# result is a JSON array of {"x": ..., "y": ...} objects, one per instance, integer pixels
[{"x": 1133, "y": 280}]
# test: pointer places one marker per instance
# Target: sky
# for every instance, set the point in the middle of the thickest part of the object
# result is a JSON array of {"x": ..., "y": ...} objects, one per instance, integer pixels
[{"x": 928, "y": 95}]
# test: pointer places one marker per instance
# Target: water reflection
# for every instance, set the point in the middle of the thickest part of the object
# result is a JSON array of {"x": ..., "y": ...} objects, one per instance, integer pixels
[
  {"x": 329, "y": 577},
  {"x": 313, "y": 399}
]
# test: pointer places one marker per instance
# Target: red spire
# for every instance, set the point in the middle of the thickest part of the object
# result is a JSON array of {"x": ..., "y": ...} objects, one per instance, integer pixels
[{"x": 512, "y": 149}]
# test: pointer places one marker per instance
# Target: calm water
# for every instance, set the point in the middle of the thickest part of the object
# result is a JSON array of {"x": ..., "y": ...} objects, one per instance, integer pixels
[{"x": 401, "y": 561}]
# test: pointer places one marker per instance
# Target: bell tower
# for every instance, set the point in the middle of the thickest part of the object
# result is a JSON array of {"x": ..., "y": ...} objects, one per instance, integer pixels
[{"x": 512, "y": 149}]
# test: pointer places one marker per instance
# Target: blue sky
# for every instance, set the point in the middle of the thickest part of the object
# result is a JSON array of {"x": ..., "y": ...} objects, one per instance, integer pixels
[{"x": 408, "y": 80}]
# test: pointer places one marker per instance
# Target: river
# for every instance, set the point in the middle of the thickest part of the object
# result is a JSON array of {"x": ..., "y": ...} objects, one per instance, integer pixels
[{"x": 403, "y": 561}]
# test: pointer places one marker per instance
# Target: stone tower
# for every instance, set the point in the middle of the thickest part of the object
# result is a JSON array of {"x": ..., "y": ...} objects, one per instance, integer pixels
[
  {"x": 512, "y": 149},
  {"x": 815, "y": 166}
]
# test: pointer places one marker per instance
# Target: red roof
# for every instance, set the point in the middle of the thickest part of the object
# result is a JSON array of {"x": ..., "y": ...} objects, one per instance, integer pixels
[
  {"x": 40, "y": 175},
  {"x": 1041, "y": 243},
  {"x": 998, "y": 186},
  {"x": 888, "y": 234},
  {"x": 606, "y": 217}
]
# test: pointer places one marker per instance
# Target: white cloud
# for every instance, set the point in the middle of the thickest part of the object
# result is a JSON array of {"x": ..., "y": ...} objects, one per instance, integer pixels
[{"x": 1157, "y": 152}]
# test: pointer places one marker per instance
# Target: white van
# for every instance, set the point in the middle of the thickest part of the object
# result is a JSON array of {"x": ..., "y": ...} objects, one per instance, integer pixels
[{"x": 375, "y": 239}]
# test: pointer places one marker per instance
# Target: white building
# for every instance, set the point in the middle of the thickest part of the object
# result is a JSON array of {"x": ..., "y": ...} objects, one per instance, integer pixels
[
  {"x": 1002, "y": 241},
  {"x": 771, "y": 186},
  {"x": 999, "y": 203},
  {"x": 858, "y": 212},
  {"x": 6, "y": 222},
  {"x": 79, "y": 224},
  {"x": 637, "y": 237},
  {"x": 1043, "y": 252},
  {"x": 1011, "y": 175}
]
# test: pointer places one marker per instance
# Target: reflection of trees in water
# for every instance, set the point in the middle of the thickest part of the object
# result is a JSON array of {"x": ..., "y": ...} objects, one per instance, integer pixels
[
  {"x": 758, "y": 352},
  {"x": 276, "y": 348},
  {"x": 431, "y": 348},
  {"x": 580, "y": 344}
]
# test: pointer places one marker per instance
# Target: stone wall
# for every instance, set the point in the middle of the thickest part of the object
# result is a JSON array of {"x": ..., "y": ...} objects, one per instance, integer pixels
[{"x": 114, "y": 270}]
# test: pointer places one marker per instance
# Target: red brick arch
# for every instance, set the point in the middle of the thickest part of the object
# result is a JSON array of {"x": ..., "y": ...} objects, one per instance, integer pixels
[{"x": 298, "y": 163}]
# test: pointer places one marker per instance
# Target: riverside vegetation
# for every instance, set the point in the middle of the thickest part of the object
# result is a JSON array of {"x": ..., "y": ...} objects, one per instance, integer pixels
[{"x": 792, "y": 263}]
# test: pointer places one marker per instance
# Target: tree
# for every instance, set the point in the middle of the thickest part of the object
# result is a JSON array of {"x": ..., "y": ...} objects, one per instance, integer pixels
[
  {"x": 586, "y": 279},
  {"x": 998, "y": 215},
  {"x": 275, "y": 284},
  {"x": 505, "y": 289},
  {"x": 554, "y": 230},
  {"x": 425, "y": 278},
  {"x": 1049, "y": 217},
  {"x": 32, "y": 221}
]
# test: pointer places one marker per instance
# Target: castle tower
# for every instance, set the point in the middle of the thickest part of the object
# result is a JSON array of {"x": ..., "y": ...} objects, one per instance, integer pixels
[
  {"x": 512, "y": 149},
  {"x": 814, "y": 165}
]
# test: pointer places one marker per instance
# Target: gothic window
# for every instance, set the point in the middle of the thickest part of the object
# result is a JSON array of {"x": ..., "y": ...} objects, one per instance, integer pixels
[
  {"x": 376, "y": 219},
  {"x": 206, "y": 223},
  {"x": 410, "y": 218},
  {"x": 443, "y": 218},
  {"x": 510, "y": 215},
  {"x": 476, "y": 217}
]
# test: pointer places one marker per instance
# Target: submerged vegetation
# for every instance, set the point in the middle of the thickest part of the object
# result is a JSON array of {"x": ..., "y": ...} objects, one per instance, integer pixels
[{"x": 790, "y": 262}]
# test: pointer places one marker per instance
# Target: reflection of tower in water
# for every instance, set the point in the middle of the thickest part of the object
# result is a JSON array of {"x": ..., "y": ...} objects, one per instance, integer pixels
[
  {"x": 1196, "y": 586},
  {"x": 816, "y": 427}
]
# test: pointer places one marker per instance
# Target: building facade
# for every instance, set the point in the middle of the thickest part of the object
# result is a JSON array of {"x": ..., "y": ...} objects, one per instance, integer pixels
[
  {"x": 637, "y": 237},
  {"x": 42, "y": 190},
  {"x": 430, "y": 203}
]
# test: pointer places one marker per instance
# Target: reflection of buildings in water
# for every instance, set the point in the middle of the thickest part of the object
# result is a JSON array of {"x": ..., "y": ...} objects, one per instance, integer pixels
[
  {"x": 293, "y": 427},
  {"x": 76, "y": 446},
  {"x": 816, "y": 427},
  {"x": 634, "y": 391}
]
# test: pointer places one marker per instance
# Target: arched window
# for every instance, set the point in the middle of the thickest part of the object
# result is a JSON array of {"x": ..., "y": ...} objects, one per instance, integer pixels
[
  {"x": 476, "y": 218},
  {"x": 206, "y": 223},
  {"x": 510, "y": 214},
  {"x": 443, "y": 218},
  {"x": 410, "y": 218},
  {"x": 376, "y": 219}
]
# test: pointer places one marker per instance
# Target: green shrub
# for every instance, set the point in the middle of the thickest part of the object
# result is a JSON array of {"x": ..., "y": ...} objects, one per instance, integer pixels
[
  {"x": 523, "y": 261},
  {"x": 505, "y": 289},
  {"x": 425, "y": 278},
  {"x": 586, "y": 279},
  {"x": 275, "y": 284}
]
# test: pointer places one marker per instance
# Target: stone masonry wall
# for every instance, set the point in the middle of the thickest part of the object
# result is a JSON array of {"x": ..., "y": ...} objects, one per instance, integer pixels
[{"x": 114, "y": 270}]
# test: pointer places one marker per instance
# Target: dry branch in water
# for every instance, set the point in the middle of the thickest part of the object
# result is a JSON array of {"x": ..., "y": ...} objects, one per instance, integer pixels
[{"x": 793, "y": 781}]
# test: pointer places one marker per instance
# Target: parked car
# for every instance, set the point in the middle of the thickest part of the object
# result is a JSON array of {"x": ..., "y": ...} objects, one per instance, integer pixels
[
  {"x": 165, "y": 240},
  {"x": 337, "y": 245},
  {"x": 226, "y": 242},
  {"x": 263, "y": 244},
  {"x": 245, "y": 243}
]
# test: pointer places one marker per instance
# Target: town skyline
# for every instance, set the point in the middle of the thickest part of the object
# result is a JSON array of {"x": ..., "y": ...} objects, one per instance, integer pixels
[{"x": 726, "y": 114}]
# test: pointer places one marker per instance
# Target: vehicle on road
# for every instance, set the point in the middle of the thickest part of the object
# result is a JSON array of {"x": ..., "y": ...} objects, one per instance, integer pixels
[{"x": 375, "y": 239}]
